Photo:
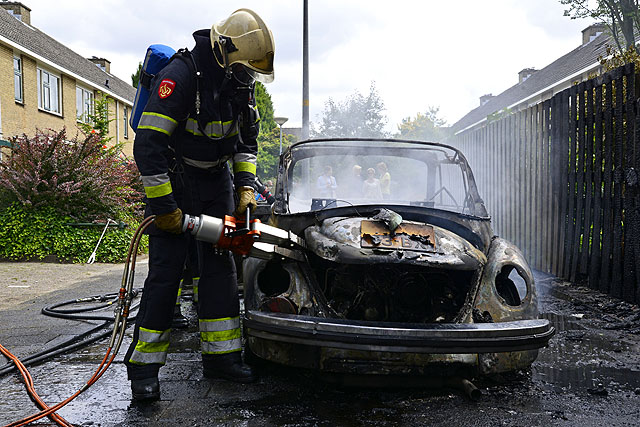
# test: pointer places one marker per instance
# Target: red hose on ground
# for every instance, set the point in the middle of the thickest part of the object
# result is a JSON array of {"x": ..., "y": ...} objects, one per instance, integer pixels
[
  {"x": 28, "y": 381},
  {"x": 120, "y": 325}
]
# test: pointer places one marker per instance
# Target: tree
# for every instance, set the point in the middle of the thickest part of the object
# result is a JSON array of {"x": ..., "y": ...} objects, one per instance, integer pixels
[
  {"x": 425, "y": 127},
  {"x": 357, "y": 116},
  {"x": 265, "y": 108},
  {"x": 620, "y": 16},
  {"x": 80, "y": 178},
  {"x": 99, "y": 120},
  {"x": 135, "y": 77},
  {"x": 269, "y": 138},
  {"x": 269, "y": 152}
]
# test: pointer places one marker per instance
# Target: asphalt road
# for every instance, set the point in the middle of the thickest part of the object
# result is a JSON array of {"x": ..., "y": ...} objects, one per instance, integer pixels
[{"x": 588, "y": 376}]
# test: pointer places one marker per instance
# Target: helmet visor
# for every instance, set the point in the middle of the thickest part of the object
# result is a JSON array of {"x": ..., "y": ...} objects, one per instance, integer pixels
[
  {"x": 263, "y": 68},
  {"x": 242, "y": 74},
  {"x": 262, "y": 78}
]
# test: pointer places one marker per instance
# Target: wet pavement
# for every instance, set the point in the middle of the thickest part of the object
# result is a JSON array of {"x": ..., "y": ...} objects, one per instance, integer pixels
[{"x": 588, "y": 376}]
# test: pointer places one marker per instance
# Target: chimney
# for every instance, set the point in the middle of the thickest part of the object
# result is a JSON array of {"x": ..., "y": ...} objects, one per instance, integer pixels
[
  {"x": 18, "y": 10},
  {"x": 485, "y": 98},
  {"x": 592, "y": 31},
  {"x": 102, "y": 63},
  {"x": 525, "y": 74}
]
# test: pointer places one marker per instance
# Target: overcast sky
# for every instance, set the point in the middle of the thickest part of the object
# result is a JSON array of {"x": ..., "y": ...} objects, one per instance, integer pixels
[{"x": 419, "y": 53}]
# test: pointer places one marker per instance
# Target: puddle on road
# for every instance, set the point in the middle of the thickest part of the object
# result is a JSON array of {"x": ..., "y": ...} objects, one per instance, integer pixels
[{"x": 582, "y": 359}]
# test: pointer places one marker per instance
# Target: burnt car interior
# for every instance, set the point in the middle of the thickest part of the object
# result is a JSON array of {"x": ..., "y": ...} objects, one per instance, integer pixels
[{"x": 390, "y": 293}]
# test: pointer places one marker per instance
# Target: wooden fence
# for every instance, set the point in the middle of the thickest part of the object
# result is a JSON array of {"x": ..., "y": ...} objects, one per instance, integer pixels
[{"x": 561, "y": 181}]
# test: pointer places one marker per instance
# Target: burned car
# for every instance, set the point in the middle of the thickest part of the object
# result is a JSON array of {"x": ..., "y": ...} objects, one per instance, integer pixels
[{"x": 406, "y": 281}]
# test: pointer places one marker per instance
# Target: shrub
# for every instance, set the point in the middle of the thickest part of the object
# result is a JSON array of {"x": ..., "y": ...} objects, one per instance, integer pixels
[
  {"x": 82, "y": 179},
  {"x": 27, "y": 233}
]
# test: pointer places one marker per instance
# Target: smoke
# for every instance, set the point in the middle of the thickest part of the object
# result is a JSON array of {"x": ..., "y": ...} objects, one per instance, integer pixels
[{"x": 374, "y": 172}]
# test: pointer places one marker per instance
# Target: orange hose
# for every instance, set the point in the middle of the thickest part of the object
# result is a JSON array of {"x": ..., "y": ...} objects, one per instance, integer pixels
[
  {"x": 50, "y": 411},
  {"x": 28, "y": 380},
  {"x": 97, "y": 374}
]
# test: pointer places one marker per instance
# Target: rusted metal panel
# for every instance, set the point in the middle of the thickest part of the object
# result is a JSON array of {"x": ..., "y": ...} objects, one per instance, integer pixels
[
  {"x": 502, "y": 253},
  {"x": 340, "y": 240},
  {"x": 408, "y": 236}
]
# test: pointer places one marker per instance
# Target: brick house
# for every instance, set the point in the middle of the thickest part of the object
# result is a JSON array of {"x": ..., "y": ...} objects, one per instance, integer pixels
[
  {"x": 535, "y": 86},
  {"x": 44, "y": 84}
]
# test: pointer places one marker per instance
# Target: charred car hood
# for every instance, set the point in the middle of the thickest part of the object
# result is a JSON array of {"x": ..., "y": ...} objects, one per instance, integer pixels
[{"x": 361, "y": 240}]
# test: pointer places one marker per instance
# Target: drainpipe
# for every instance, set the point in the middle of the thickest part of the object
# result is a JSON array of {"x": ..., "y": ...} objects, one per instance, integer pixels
[{"x": 117, "y": 120}]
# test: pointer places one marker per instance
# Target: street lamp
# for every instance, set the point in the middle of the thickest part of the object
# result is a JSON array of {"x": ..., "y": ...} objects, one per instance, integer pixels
[{"x": 280, "y": 121}]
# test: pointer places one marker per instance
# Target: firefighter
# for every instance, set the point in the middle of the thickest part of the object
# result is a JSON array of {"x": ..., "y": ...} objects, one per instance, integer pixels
[{"x": 201, "y": 115}]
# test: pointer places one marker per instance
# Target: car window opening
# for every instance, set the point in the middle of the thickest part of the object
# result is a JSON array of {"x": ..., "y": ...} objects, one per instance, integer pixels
[
  {"x": 325, "y": 175},
  {"x": 273, "y": 280}
]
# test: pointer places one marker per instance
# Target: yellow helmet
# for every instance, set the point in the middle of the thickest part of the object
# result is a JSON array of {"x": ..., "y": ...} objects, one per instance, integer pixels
[{"x": 243, "y": 38}]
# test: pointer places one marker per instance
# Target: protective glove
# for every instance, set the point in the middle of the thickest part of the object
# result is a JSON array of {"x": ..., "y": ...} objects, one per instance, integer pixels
[
  {"x": 246, "y": 199},
  {"x": 170, "y": 222}
]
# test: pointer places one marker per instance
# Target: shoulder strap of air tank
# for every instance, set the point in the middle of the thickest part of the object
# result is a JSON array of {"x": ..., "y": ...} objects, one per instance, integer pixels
[{"x": 187, "y": 56}]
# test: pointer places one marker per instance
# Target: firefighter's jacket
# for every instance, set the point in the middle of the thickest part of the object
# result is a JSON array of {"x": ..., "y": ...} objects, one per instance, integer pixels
[{"x": 169, "y": 130}]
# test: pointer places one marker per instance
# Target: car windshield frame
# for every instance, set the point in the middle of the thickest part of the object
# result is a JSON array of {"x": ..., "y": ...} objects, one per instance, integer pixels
[{"x": 407, "y": 153}]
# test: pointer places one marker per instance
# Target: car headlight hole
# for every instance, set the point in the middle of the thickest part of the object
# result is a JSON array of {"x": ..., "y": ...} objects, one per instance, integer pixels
[
  {"x": 273, "y": 280},
  {"x": 511, "y": 286}
]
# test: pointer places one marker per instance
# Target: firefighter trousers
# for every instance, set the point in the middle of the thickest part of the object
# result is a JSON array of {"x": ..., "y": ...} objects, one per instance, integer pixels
[{"x": 202, "y": 192}]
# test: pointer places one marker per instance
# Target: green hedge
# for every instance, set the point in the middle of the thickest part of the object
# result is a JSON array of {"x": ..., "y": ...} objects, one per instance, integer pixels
[{"x": 28, "y": 234}]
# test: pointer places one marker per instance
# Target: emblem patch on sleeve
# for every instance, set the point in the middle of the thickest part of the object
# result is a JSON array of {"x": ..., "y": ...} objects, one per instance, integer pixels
[{"x": 166, "y": 88}]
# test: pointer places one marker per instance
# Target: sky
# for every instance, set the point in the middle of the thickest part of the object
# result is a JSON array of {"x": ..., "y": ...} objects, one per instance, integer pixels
[{"x": 418, "y": 54}]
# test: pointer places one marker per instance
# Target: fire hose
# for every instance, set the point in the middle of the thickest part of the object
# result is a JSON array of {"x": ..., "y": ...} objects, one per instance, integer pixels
[
  {"x": 248, "y": 237},
  {"x": 125, "y": 297}
]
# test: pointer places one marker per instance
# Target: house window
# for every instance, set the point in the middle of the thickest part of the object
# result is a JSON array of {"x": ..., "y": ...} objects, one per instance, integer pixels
[
  {"x": 48, "y": 91},
  {"x": 126, "y": 121},
  {"x": 17, "y": 79},
  {"x": 84, "y": 104}
]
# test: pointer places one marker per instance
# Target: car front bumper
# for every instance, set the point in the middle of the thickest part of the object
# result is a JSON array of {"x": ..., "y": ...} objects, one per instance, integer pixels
[{"x": 399, "y": 337}]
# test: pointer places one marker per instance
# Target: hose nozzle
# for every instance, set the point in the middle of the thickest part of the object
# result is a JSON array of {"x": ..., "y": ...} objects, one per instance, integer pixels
[{"x": 205, "y": 228}]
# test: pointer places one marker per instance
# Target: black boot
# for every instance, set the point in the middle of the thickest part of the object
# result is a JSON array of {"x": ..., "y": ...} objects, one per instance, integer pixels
[
  {"x": 146, "y": 389},
  {"x": 179, "y": 321},
  {"x": 228, "y": 366}
]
